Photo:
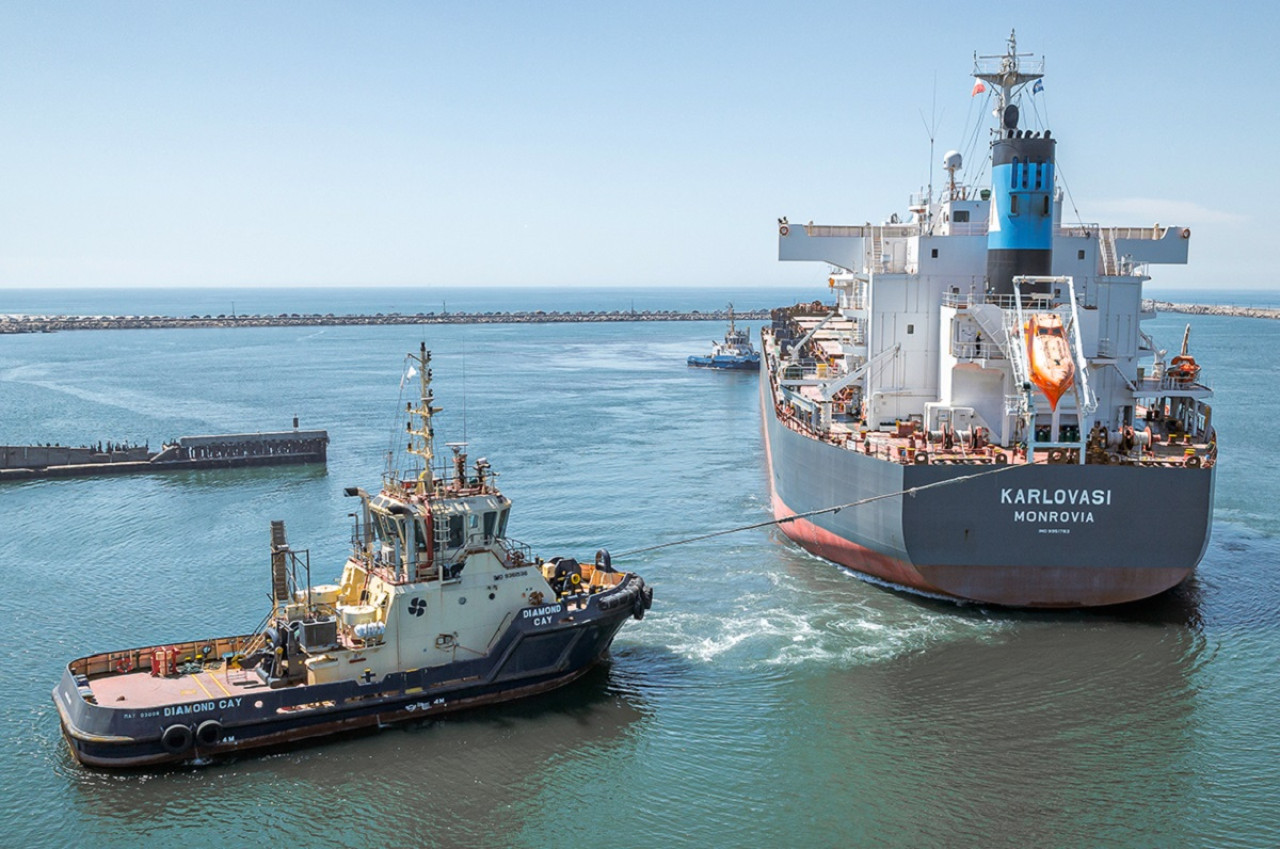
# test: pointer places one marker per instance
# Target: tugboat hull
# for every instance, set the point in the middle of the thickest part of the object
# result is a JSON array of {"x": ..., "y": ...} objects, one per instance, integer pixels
[{"x": 243, "y": 713}]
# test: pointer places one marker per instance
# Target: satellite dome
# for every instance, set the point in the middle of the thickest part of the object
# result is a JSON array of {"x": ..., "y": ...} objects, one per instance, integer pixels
[{"x": 951, "y": 160}]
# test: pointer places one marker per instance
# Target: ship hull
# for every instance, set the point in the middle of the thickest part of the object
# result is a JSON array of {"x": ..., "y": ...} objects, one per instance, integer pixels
[
  {"x": 1028, "y": 535},
  {"x": 534, "y": 656},
  {"x": 726, "y": 363}
]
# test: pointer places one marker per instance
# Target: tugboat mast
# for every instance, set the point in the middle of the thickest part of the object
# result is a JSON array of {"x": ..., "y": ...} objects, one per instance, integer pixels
[{"x": 422, "y": 438}]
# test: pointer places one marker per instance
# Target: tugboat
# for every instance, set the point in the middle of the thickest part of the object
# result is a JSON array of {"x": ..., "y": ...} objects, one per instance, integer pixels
[
  {"x": 735, "y": 352},
  {"x": 436, "y": 610}
]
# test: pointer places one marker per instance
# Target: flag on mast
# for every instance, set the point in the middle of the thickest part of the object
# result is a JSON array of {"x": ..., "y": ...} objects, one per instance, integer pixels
[
  {"x": 978, "y": 88},
  {"x": 1038, "y": 87}
]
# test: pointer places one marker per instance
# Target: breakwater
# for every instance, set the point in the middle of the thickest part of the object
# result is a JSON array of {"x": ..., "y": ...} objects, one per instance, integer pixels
[
  {"x": 55, "y": 323},
  {"x": 220, "y": 451},
  {"x": 1213, "y": 309}
]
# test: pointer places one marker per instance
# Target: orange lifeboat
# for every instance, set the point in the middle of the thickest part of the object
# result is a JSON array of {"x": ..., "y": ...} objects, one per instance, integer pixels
[{"x": 1049, "y": 355}]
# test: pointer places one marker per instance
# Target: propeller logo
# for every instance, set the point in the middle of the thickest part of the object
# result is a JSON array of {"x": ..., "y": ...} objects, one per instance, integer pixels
[{"x": 418, "y": 606}]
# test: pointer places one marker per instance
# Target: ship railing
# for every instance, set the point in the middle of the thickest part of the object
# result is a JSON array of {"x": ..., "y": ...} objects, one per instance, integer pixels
[
  {"x": 856, "y": 231},
  {"x": 514, "y": 553},
  {"x": 974, "y": 350},
  {"x": 961, "y": 300}
]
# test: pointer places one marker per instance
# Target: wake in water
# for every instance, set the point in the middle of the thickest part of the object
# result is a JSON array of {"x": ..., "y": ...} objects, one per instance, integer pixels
[{"x": 779, "y": 606}]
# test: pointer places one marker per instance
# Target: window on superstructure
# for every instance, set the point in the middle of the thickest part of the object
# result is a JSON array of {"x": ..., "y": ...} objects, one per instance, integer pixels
[
  {"x": 960, "y": 216},
  {"x": 490, "y": 521},
  {"x": 1013, "y": 174},
  {"x": 1013, "y": 204},
  {"x": 502, "y": 524},
  {"x": 456, "y": 530}
]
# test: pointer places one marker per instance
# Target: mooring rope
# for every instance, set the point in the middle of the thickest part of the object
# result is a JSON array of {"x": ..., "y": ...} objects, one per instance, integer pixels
[{"x": 836, "y": 509}]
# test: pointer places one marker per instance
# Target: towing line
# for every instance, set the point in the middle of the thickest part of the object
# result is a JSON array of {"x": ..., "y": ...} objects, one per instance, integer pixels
[{"x": 912, "y": 491}]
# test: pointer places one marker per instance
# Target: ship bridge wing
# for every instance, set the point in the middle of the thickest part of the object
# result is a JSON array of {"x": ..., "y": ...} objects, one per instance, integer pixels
[{"x": 839, "y": 246}]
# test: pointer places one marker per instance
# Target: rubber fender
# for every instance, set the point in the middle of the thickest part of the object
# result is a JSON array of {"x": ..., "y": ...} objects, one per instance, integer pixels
[
  {"x": 209, "y": 732},
  {"x": 177, "y": 738}
]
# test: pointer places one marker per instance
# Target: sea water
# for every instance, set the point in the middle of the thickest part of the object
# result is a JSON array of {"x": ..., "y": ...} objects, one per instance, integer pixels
[{"x": 767, "y": 699}]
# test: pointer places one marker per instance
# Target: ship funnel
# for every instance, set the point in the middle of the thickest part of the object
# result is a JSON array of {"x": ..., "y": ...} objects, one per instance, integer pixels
[{"x": 1020, "y": 229}]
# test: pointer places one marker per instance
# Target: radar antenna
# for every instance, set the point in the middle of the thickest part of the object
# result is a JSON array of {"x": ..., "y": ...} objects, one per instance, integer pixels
[{"x": 1008, "y": 75}]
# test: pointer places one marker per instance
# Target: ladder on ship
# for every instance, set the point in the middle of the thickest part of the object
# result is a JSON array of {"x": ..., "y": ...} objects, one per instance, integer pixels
[{"x": 1107, "y": 244}]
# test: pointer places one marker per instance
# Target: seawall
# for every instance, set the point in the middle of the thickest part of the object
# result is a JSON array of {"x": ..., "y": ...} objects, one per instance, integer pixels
[
  {"x": 54, "y": 323},
  {"x": 1213, "y": 309}
]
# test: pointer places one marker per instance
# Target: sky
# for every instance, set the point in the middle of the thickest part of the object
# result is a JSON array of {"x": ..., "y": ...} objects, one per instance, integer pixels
[{"x": 591, "y": 143}]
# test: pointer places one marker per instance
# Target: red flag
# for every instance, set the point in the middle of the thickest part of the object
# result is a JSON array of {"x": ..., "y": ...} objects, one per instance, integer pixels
[{"x": 978, "y": 88}]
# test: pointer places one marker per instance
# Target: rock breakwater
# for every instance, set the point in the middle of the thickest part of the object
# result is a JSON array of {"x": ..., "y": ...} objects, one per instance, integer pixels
[{"x": 54, "y": 323}]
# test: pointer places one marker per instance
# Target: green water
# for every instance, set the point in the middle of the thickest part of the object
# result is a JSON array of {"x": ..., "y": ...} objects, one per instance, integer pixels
[{"x": 768, "y": 699}]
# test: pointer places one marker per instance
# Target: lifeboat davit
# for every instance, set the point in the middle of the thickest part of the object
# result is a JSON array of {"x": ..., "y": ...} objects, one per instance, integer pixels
[
  {"x": 1184, "y": 368},
  {"x": 1049, "y": 355}
]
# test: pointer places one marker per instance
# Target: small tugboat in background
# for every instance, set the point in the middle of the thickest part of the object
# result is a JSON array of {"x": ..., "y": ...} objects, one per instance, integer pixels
[
  {"x": 436, "y": 610},
  {"x": 735, "y": 352}
]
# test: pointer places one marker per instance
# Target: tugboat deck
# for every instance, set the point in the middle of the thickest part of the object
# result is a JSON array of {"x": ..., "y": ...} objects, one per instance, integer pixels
[{"x": 141, "y": 690}]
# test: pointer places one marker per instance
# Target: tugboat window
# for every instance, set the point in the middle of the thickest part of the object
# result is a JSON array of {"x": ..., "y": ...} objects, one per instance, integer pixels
[
  {"x": 455, "y": 531},
  {"x": 490, "y": 520}
]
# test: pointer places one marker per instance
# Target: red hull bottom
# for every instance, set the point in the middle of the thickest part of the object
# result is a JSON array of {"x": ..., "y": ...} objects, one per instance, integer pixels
[{"x": 1012, "y": 586}]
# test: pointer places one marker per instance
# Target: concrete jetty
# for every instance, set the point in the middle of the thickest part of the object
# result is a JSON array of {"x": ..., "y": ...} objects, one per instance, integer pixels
[
  {"x": 221, "y": 451},
  {"x": 55, "y": 323}
]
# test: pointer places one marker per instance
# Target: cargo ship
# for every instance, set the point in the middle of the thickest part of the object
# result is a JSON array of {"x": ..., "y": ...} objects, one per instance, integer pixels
[
  {"x": 978, "y": 415},
  {"x": 436, "y": 609}
]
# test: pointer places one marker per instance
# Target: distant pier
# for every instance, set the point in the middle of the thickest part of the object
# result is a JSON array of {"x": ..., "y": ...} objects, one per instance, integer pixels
[
  {"x": 55, "y": 323},
  {"x": 1214, "y": 309},
  {"x": 223, "y": 451}
]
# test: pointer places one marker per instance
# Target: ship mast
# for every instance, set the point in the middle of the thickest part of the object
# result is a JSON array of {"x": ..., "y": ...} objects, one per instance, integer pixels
[
  {"x": 1007, "y": 77},
  {"x": 422, "y": 437}
]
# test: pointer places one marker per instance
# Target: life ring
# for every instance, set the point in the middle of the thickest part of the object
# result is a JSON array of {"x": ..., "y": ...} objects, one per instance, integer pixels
[
  {"x": 1192, "y": 462},
  {"x": 784, "y": 229},
  {"x": 208, "y": 733},
  {"x": 124, "y": 664},
  {"x": 1186, "y": 232},
  {"x": 176, "y": 738},
  {"x": 575, "y": 579}
]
